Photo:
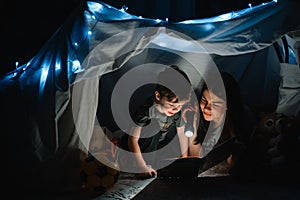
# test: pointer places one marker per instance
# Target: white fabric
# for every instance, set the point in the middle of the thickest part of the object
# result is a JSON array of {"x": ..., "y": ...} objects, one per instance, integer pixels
[{"x": 289, "y": 90}]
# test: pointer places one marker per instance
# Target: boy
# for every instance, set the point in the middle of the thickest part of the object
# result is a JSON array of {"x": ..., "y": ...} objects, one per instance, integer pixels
[{"x": 159, "y": 121}]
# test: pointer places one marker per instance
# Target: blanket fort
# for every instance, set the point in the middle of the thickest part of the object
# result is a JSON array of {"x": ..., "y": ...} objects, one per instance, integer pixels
[{"x": 52, "y": 103}]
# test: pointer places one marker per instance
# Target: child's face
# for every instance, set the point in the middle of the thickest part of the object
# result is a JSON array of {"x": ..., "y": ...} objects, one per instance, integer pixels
[
  {"x": 212, "y": 106},
  {"x": 169, "y": 108}
]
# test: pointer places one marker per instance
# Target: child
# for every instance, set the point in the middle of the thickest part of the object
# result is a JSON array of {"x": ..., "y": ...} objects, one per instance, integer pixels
[{"x": 159, "y": 121}]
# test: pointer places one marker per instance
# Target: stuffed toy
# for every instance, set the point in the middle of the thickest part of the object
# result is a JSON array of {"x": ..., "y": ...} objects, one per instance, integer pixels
[{"x": 274, "y": 149}]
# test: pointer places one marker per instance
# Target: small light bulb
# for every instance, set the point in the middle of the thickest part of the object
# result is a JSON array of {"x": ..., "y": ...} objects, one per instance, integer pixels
[{"x": 124, "y": 8}]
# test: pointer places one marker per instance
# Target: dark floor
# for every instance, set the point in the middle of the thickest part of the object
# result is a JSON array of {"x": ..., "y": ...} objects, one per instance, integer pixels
[{"x": 219, "y": 188}]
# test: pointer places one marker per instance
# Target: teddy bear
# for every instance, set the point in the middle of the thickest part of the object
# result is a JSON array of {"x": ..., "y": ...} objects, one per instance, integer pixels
[{"x": 274, "y": 149}]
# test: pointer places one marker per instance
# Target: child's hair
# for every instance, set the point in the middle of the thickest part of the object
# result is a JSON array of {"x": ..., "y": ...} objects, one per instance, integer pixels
[{"x": 181, "y": 87}]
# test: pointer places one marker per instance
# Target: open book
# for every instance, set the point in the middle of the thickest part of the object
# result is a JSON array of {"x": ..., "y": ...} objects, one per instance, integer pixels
[{"x": 190, "y": 167}]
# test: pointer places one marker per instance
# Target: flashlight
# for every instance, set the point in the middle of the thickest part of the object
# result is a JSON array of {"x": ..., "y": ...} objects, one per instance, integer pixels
[{"x": 189, "y": 129}]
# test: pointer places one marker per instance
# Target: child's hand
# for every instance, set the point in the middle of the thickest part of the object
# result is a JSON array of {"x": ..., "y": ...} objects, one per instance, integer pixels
[
  {"x": 192, "y": 108},
  {"x": 147, "y": 172}
]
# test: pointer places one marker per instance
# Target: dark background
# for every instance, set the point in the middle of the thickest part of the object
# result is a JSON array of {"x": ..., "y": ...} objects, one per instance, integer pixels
[{"x": 27, "y": 25}]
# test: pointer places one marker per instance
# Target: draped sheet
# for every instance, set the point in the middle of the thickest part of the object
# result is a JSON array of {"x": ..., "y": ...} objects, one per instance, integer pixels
[{"x": 52, "y": 103}]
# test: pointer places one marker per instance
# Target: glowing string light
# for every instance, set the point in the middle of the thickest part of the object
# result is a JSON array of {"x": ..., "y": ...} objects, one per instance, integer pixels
[
  {"x": 124, "y": 8},
  {"x": 76, "y": 67},
  {"x": 57, "y": 66}
]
